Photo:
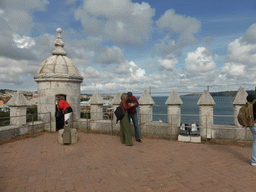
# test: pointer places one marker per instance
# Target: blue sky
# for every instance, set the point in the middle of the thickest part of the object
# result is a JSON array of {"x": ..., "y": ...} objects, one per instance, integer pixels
[{"x": 130, "y": 45}]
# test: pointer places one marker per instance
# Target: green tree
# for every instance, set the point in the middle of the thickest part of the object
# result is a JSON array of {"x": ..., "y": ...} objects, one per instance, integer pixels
[
  {"x": 4, "y": 118},
  {"x": 32, "y": 113}
]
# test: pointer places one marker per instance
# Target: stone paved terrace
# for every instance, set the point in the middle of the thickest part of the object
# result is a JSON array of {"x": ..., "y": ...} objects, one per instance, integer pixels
[{"x": 101, "y": 163}]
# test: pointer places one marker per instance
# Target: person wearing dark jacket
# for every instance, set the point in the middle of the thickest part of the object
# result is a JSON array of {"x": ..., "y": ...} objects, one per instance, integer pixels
[
  {"x": 59, "y": 119},
  {"x": 250, "y": 98},
  {"x": 125, "y": 130},
  {"x": 132, "y": 115},
  {"x": 65, "y": 108}
]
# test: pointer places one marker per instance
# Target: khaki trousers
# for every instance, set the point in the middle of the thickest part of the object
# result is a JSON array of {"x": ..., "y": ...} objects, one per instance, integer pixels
[{"x": 125, "y": 131}]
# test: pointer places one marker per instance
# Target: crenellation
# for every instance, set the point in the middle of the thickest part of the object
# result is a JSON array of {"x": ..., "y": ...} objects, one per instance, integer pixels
[
  {"x": 174, "y": 103},
  {"x": 206, "y": 103},
  {"x": 238, "y": 102}
]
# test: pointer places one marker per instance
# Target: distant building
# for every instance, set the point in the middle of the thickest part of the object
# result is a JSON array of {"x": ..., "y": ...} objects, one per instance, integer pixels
[{"x": 3, "y": 107}]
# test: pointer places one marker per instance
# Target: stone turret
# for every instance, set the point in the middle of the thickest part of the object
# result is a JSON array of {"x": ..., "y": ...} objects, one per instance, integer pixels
[
  {"x": 18, "y": 109},
  {"x": 238, "y": 102},
  {"x": 206, "y": 103},
  {"x": 145, "y": 104},
  {"x": 57, "y": 75},
  {"x": 173, "y": 107}
]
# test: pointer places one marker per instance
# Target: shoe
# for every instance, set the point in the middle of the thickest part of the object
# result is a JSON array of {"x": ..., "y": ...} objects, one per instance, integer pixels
[
  {"x": 139, "y": 140},
  {"x": 253, "y": 164}
]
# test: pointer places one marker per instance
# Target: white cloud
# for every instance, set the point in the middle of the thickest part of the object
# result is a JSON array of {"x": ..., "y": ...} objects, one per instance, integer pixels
[
  {"x": 1, "y": 12},
  {"x": 165, "y": 47},
  {"x": 39, "y": 5},
  {"x": 17, "y": 73},
  {"x": 107, "y": 55},
  {"x": 16, "y": 24},
  {"x": 136, "y": 72},
  {"x": 169, "y": 63},
  {"x": 185, "y": 26},
  {"x": 120, "y": 21},
  {"x": 19, "y": 14},
  {"x": 90, "y": 72},
  {"x": 122, "y": 69},
  {"x": 176, "y": 25},
  {"x": 250, "y": 36},
  {"x": 233, "y": 69},
  {"x": 243, "y": 49},
  {"x": 24, "y": 41},
  {"x": 200, "y": 61},
  {"x": 241, "y": 52}
]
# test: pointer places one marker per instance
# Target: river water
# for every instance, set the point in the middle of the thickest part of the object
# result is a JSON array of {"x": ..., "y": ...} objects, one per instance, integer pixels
[{"x": 190, "y": 110}]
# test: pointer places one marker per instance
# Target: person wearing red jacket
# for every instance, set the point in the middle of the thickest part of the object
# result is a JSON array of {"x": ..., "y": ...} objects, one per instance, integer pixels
[
  {"x": 132, "y": 114},
  {"x": 65, "y": 108}
]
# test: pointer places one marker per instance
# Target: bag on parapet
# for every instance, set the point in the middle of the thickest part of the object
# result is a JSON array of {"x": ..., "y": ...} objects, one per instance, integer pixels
[
  {"x": 245, "y": 116},
  {"x": 119, "y": 114}
]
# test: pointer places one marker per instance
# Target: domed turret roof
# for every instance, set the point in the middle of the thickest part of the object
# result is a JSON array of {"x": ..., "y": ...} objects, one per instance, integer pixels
[{"x": 58, "y": 65}]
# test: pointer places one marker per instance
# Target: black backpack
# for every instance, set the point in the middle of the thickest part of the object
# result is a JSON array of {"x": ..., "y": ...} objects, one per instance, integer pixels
[{"x": 119, "y": 113}]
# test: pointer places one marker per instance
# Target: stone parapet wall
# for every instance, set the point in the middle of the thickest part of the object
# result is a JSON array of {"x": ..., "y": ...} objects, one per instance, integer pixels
[
  {"x": 230, "y": 132},
  {"x": 156, "y": 129},
  {"x": 10, "y": 132},
  {"x": 166, "y": 130}
]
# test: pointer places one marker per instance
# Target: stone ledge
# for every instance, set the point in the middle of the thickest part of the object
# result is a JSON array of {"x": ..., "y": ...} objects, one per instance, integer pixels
[
  {"x": 12, "y": 131},
  {"x": 192, "y": 139}
]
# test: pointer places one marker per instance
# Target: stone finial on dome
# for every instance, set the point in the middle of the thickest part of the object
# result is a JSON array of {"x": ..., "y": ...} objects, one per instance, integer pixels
[
  {"x": 59, "y": 44},
  {"x": 206, "y": 99},
  {"x": 240, "y": 97},
  {"x": 146, "y": 99},
  {"x": 174, "y": 99}
]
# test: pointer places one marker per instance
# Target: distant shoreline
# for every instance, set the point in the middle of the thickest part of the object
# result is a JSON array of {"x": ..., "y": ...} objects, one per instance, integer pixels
[
  {"x": 213, "y": 94},
  {"x": 221, "y": 93}
]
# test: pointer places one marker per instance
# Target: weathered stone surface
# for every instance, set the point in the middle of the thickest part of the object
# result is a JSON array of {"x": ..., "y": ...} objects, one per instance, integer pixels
[
  {"x": 59, "y": 44},
  {"x": 240, "y": 98},
  {"x": 205, "y": 120},
  {"x": 74, "y": 137},
  {"x": 17, "y": 100},
  {"x": 206, "y": 99},
  {"x": 173, "y": 108},
  {"x": 192, "y": 139},
  {"x": 174, "y": 99},
  {"x": 18, "y": 115},
  {"x": 18, "y": 107},
  {"x": 117, "y": 99},
  {"x": 96, "y": 112},
  {"x": 174, "y": 116},
  {"x": 58, "y": 63},
  {"x": 58, "y": 75},
  {"x": 96, "y": 99},
  {"x": 146, "y": 113},
  {"x": 146, "y": 99},
  {"x": 12, "y": 131}
]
